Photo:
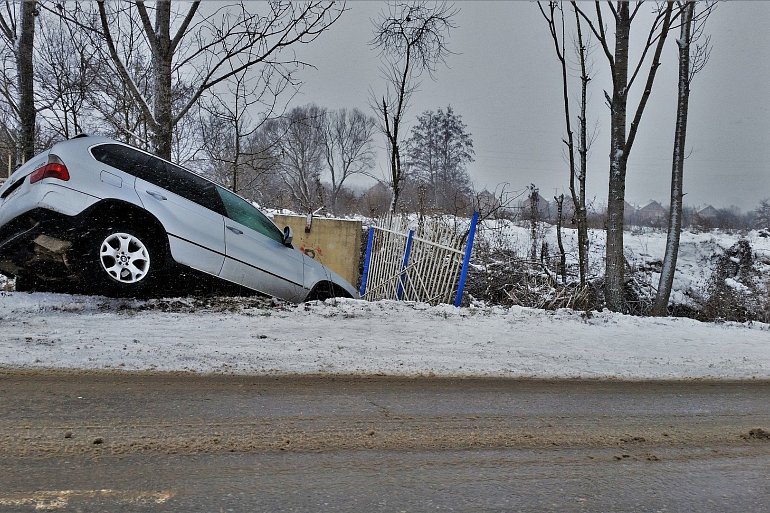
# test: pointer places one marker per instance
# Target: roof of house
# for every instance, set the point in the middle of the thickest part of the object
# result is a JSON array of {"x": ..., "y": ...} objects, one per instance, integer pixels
[
  {"x": 708, "y": 211},
  {"x": 652, "y": 207}
]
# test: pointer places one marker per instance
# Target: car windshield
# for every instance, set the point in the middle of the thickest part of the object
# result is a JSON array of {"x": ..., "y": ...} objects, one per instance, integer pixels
[{"x": 241, "y": 211}]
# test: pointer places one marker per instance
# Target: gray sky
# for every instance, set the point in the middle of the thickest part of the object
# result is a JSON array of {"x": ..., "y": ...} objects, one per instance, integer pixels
[{"x": 505, "y": 81}]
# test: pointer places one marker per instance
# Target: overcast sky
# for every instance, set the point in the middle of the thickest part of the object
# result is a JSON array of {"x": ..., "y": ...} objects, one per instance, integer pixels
[{"x": 505, "y": 81}]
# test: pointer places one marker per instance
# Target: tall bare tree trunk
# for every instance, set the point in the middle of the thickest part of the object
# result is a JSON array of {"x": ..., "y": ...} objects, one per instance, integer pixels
[
  {"x": 562, "y": 269},
  {"x": 579, "y": 203},
  {"x": 161, "y": 56},
  {"x": 26, "y": 80},
  {"x": 534, "y": 216},
  {"x": 621, "y": 141},
  {"x": 615, "y": 260},
  {"x": 660, "y": 307}
]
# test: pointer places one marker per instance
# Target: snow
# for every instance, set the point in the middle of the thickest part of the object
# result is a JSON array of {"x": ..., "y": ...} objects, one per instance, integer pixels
[
  {"x": 737, "y": 286},
  {"x": 243, "y": 336},
  {"x": 57, "y": 331},
  {"x": 644, "y": 250}
]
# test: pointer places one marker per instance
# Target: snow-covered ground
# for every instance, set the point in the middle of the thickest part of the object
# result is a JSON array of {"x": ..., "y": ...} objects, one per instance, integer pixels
[
  {"x": 644, "y": 249},
  {"x": 249, "y": 336}
]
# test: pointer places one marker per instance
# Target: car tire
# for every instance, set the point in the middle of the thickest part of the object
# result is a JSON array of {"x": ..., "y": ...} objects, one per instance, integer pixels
[
  {"x": 120, "y": 259},
  {"x": 326, "y": 290}
]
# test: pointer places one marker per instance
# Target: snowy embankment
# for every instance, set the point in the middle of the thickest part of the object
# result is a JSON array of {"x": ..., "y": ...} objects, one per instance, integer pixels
[
  {"x": 247, "y": 336},
  {"x": 644, "y": 249}
]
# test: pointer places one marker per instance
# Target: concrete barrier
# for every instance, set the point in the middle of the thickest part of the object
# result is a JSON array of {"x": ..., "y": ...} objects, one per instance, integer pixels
[{"x": 336, "y": 243}]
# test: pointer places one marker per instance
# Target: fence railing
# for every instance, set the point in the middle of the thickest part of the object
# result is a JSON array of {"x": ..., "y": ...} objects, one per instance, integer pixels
[{"x": 427, "y": 264}]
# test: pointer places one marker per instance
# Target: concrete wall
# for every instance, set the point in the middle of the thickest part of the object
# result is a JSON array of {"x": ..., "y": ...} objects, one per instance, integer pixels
[{"x": 336, "y": 243}]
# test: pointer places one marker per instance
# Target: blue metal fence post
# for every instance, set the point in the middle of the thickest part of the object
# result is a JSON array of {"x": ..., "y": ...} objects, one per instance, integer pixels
[
  {"x": 405, "y": 263},
  {"x": 466, "y": 259},
  {"x": 367, "y": 259}
]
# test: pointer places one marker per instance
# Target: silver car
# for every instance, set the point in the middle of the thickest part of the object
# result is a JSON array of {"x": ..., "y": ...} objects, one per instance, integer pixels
[{"x": 116, "y": 220}]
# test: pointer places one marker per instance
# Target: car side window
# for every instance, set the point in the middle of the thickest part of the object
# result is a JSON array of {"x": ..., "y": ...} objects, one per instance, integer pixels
[
  {"x": 241, "y": 211},
  {"x": 184, "y": 183},
  {"x": 160, "y": 173}
]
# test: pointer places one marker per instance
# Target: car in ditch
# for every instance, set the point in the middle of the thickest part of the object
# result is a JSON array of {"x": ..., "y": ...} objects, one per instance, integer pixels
[{"x": 112, "y": 219}]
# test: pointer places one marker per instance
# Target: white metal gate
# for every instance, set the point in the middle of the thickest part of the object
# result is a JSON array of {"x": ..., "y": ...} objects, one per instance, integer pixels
[{"x": 426, "y": 264}]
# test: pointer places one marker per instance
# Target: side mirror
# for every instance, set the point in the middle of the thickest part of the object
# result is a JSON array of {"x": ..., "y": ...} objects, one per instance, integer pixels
[{"x": 288, "y": 235}]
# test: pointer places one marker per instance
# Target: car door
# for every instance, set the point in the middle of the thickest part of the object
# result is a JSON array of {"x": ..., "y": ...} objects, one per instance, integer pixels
[
  {"x": 256, "y": 255},
  {"x": 189, "y": 208}
]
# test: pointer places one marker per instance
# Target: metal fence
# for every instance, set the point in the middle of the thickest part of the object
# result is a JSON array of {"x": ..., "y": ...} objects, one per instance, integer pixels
[{"x": 427, "y": 264}]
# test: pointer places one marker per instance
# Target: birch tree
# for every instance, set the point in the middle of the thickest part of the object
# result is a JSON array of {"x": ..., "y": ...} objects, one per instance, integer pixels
[
  {"x": 624, "y": 74},
  {"x": 692, "y": 59},
  {"x": 412, "y": 40}
]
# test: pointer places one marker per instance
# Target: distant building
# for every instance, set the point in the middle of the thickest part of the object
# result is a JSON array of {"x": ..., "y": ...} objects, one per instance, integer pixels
[
  {"x": 652, "y": 213},
  {"x": 630, "y": 213},
  {"x": 543, "y": 207},
  {"x": 708, "y": 212},
  {"x": 487, "y": 202}
]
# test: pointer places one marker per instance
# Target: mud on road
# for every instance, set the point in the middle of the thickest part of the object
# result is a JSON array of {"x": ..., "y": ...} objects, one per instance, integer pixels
[
  {"x": 67, "y": 413},
  {"x": 118, "y": 442}
]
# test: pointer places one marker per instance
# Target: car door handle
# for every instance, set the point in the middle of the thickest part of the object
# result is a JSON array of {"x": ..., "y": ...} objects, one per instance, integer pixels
[
  {"x": 235, "y": 230},
  {"x": 157, "y": 195}
]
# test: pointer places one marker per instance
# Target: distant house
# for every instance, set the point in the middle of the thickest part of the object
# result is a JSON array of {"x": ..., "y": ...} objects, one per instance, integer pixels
[
  {"x": 376, "y": 200},
  {"x": 487, "y": 202},
  {"x": 544, "y": 209},
  {"x": 630, "y": 213},
  {"x": 652, "y": 213},
  {"x": 708, "y": 212}
]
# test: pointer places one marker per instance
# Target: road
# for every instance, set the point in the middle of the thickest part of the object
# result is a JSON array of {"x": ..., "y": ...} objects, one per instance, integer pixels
[{"x": 180, "y": 443}]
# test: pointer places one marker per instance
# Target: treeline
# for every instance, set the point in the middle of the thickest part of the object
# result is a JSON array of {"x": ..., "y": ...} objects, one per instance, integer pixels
[
  {"x": 654, "y": 215},
  {"x": 208, "y": 86}
]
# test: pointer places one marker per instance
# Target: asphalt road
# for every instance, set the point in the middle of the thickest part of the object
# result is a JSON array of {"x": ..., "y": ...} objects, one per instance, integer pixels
[{"x": 108, "y": 442}]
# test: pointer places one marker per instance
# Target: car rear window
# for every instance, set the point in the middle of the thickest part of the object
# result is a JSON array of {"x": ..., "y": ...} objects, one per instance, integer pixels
[
  {"x": 163, "y": 174},
  {"x": 120, "y": 157}
]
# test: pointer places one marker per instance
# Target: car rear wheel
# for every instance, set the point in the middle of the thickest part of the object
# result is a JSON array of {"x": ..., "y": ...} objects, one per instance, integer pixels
[{"x": 119, "y": 259}]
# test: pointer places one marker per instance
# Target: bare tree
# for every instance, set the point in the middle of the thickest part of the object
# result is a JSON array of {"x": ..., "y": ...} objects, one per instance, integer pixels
[
  {"x": 230, "y": 130},
  {"x": 116, "y": 112},
  {"x": 622, "y": 137},
  {"x": 66, "y": 72},
  {"x": 439, "y": 152},
  {"x": 9, "y": 108},
  {"x": 562, "y": 267},
  {"x": 692, "y": 59},
  {"x": 761, "y": 215},
  {"x": 556, "y": 26},
  {"x": 411, "y": 38},
  {"x": 297, "y": 144},
  {"x": 534, "y": 218},
  {"x": 204, "y": 51},
  {"x": 24, "y": 62},
  {"x": 348, "y": 148},
  {"x": 18, "y": 34}
]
